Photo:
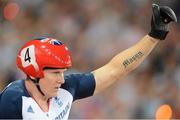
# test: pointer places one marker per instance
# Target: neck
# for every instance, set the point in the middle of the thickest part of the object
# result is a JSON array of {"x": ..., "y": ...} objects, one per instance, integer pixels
[{"x": 34, "y": 92}]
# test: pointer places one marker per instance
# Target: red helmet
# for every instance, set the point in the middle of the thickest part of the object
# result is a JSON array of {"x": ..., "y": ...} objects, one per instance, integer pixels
[{"x": 40, "y": 53}]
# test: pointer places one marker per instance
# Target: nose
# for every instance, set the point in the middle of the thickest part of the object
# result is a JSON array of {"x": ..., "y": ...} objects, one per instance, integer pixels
[{"x": 61, "y": 78}]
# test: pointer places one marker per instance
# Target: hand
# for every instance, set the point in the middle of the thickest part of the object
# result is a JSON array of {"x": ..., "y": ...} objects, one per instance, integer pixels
[{"x": 162, "y": 16}]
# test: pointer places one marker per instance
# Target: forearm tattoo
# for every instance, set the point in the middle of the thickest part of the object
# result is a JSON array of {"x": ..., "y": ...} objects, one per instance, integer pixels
[{"x": 135, "y": 57}]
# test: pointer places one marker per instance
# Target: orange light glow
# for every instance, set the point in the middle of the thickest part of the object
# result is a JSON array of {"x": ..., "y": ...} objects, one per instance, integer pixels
[
  {"x": 11, "y": 10},
  {"x": 164, "y": 112}
]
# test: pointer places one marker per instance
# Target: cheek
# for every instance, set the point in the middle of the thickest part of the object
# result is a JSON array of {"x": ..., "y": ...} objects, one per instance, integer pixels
[{"x": 47, "y": 82}]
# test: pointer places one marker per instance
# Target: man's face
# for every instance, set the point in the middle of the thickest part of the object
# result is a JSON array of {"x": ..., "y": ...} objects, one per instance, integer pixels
[{"x": 52, "y": 80}]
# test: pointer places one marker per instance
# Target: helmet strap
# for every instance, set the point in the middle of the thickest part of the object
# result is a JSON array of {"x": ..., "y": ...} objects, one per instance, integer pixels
[{"x": 36, "y": 82}]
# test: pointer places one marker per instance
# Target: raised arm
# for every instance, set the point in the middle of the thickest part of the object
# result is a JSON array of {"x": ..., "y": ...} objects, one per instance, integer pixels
[{"x": 128, "y": 60}]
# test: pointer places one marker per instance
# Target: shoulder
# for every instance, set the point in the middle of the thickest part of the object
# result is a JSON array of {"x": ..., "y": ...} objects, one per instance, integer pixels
[
  {"x": 76, "y": 78},
  {"x": 13, "y": 91},
  {"x": 80, "y": 85},
  {"x": 12, "y": 97}
]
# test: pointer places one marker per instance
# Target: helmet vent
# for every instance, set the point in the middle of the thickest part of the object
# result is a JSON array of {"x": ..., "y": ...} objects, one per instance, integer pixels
[
  {"x": 51, "y": 41},
  {"x": 55, "y": 42}
]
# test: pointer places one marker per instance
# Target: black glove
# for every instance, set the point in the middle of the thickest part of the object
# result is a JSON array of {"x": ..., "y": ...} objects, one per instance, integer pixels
[{"x": 162, "y": 16}]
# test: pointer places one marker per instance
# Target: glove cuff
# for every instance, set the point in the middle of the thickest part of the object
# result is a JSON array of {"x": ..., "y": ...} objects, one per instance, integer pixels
[{"x": 159, "y": 34}]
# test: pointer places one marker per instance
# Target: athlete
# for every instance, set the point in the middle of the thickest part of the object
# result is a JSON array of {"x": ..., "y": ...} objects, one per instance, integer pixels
[{"x": 47, "y": 94}]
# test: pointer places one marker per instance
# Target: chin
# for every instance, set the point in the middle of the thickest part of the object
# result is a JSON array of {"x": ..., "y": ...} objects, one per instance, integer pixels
[{"x": 54, "y": 95}]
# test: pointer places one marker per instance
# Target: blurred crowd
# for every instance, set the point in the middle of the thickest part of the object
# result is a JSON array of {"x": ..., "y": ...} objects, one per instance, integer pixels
[{"x": 95, "y": 31}]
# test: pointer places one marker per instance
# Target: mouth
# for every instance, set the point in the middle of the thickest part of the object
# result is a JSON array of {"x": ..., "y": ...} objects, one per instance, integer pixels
[{"x": 56, "y": 87}]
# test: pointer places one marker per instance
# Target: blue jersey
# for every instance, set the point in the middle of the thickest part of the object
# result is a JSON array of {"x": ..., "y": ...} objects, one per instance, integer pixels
[{"x": 16, "y": 103}]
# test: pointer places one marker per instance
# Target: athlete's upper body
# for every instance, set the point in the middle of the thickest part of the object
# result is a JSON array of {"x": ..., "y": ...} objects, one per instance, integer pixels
[
  {"x": 25, "y": 102},
  {"x": 48, "y": 94}
]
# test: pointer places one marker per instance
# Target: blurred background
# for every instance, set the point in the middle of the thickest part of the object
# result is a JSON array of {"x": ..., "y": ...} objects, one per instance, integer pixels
[{"x": 95, "y": 31}]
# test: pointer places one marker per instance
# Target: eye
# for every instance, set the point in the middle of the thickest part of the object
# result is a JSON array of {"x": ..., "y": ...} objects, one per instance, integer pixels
[{"x": 56, "y": 72}]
